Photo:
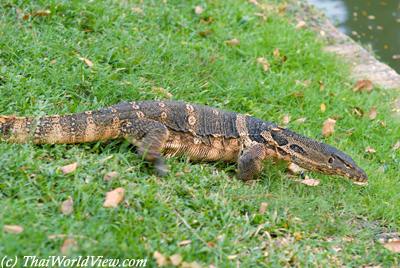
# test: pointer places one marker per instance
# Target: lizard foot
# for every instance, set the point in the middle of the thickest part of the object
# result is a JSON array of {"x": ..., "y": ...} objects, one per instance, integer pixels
[{"x": 161, "y": 168}]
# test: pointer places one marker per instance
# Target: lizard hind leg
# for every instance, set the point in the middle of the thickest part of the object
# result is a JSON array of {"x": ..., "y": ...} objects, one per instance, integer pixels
[
  {"x": 250, "y": 162},
  {"x": 150, "y": 137}
]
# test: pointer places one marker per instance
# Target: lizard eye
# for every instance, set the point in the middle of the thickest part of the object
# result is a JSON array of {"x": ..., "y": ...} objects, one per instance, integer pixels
[{"x": 330, "y": 160}]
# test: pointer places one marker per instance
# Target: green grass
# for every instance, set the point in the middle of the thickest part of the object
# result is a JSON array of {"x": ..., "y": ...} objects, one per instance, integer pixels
[{"x": 41, "y": 73}]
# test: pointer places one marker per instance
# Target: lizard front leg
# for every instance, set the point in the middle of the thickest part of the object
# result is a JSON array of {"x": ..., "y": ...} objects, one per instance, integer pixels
[
  {"x": 150, "y": 137},
  {"x": 250, "y": 161}
]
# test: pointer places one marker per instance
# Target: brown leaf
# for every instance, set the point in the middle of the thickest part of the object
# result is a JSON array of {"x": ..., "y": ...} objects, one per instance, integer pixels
[
  {"x": 160, "y": 259},
  {"x": 68, "y": 245},
  {"x": 67, "y": 206},
  {"x": 301, "y": 120},
  {"x": 175, "y": 259},
  {"x": 114, "y": 197},
  {"x": 286, "y": 119},
  {"x": 198, "y": 10},
  {"x": 329, "y": 127},
  {"x": 254, "y": 2},
  {"x": 360, "y": 183},
  {"x": 393, "y": 246},
  {"x": 358, "y": 111},
  {"x": 57, "y": 236},
  {"x": 137, "y": 10},
  {"x": 264, "y": 63},
  {"x": 88, "y": 62},
  {"x": 69, "y": 168},
  {"x": 322, "y": 107},
  {"x": 310, "y": 182},
  {"x": 301, "y": 24},
  {"x": 41, "y": 13},
  {"x": 162, "y": 91},
  {"x": 190, "y": 265},
  {"x": 370, "y": 150},
  {"x": 211, "y": 244},
  {"x": 205, "y": 33},
  {"x": 232, "y": 42},
  {"x": 372, "y": 113},
  {"x": 277, "y": 53},
  {"x": 263, "y": 207},
  {"x": 184, "y": 243},
  {"x": 110, "y": 175},
  {"x": 363, "y": 85},
  {"x": 396, "y": 146},
  {"x": 13, "y": 229},
  {"x": 321, "y": 85}
]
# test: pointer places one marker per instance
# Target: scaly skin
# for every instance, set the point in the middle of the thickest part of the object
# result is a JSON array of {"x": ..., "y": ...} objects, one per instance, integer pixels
[{"x": 173, "y": 128}]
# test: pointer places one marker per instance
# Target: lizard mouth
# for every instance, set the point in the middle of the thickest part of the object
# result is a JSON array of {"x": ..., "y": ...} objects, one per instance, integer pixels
[{"x": 360, "y": 176}]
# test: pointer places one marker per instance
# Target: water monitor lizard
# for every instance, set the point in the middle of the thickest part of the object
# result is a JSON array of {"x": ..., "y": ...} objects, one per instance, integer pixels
[{"x": 173, "y": 128}]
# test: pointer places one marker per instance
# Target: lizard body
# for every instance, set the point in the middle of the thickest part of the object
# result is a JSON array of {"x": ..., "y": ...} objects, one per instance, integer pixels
[{"x": 174, "y": 128}]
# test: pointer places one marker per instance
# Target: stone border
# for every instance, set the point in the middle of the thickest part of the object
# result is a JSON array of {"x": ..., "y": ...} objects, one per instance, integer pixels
[{"x": 364, "y": 64}]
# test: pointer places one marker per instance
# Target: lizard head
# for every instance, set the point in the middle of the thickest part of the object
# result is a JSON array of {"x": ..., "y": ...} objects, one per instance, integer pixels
[
  {"x": 326, "y": 159},
  {"x": 314, "y": 155}
]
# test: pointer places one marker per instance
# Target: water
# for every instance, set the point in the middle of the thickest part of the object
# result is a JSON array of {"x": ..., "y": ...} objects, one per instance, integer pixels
[{"x": 373, "y": 22}]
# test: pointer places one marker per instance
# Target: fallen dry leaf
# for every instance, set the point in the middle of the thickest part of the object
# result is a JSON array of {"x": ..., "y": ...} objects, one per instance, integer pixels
[
  {"x": 393, "y": 246},
  {"x": 205, "y": 33},
  {"x": 198, "y": 10},
  {"x": 264, "y": 63},
  {"x": 263, "y": 207},
  {"x": 160, "y": 259},
  {"x": 114, "y": 197},
  {"x": 162, "y": 91},
  {"x": 13, "y": 229},
  {"x": 329, "y": 127},
  {"x": 184, "y": 243},
  {"x": 232, "y": 42},
  {"x": 372, "y": 113},
  {"x": 301, "y": 120},
  {"x": 360, "y": 183},
  {"x": 41, "y": 13},
  {"x": 286, "y": 119},
  {"x": 211, "y": 244},
  {"x": 276, "y": 53},
  {"x": 261, "y": 15},
  {"x": 322, "y": 107},
  {"x": 68, "y": 245},
  {"x": 396, "y": 146},
  {"x": 363, "y": 85},
  {"x": 295, "y": 169},
  {"x": 56, "y": 236},
  {"x": 370, "y": 150},
  {"x": 137, "y": 10},
  {"x": 310, "y": 182},
  {"x": 175, "y": 259},
  {"x": 110, "y": 175},
  {"x": 254, "y": 2},
  {"x": 67, "y": 206},
  {"x": 190, "y": 265},
  {"x": 301, "y": 24},
  {"x": 69, "y": 168},
  {"x": 88, "y": 62}
]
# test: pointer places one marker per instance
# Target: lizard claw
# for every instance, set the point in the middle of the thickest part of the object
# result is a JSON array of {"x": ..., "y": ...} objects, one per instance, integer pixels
[{"x": 161, "y": 169}]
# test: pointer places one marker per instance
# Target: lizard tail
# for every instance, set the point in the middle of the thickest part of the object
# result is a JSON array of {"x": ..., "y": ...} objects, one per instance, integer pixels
[
  {"x": 14, "y": 129},
  {"x": 56, "y": 129}
]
